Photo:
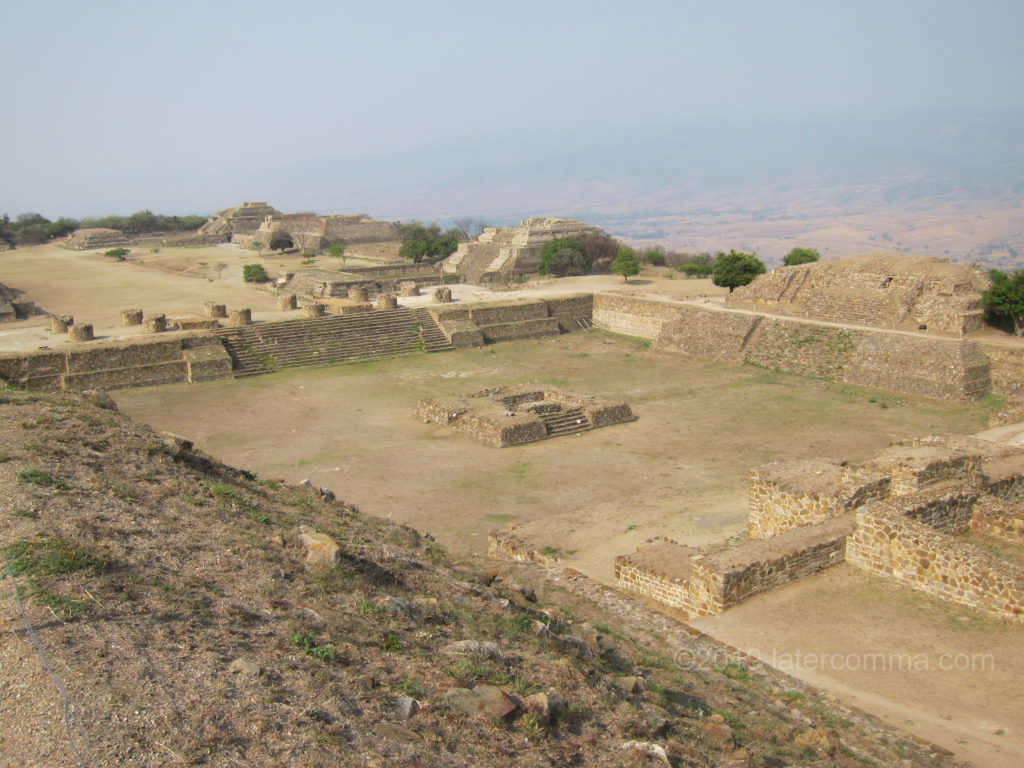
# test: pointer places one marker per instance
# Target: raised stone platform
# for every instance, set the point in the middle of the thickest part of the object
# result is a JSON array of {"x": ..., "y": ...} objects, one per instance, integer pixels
[{"x": 505, "y": 416}]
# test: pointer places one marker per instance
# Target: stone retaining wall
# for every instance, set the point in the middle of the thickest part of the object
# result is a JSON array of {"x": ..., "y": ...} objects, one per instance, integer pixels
[
  {"x": 113, "y": 365},
  {"x": 644, "y": 318},
  {"x": 707, "y": 334},
  {"x": 888, "y": 542}
]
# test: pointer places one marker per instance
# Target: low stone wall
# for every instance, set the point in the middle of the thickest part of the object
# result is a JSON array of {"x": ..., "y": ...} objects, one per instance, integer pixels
[
  {"x": 945, "y": 508},
  {"x": 602, "y": 415},
  {"x": 701, "y": 585},
  {"x": 760, "y": 565},
  {"x": 888, "y": 542},
  {"x": 497, "y": 432},
  {"x": 633, "y": 317},
  {"x": 520, "y": 329},
  {"x": 394, "y": 271},
  {"x": 112, "y": 365},
  {"x": 915, "y": 467},
  {"x": 996, "y": 517}
]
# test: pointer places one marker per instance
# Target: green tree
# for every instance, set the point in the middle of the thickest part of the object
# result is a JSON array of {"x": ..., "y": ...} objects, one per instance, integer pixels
[
  {"x": 280, "y": 241},
  {"x": 1005, "y": 299},
  {"x": 801, "y": 256},
  {"x": 558, "y": 246},
  {"x": 426, "y": 243},
  {"x": 655, "y": 256},
  {"x": 695, "y": 269},
  {"x": 254, "y": 273},
  {"x": 626, "y": 263},
  {"x": 6, "y": 233},
  {"x": 735, "y": 268},
  {"x": 258, "y": 246}
]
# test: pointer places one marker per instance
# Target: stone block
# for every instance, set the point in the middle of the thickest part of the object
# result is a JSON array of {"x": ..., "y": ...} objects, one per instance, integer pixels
[
  {"x": 130, "y": 317},
  {"x": 80, "y": 332}
]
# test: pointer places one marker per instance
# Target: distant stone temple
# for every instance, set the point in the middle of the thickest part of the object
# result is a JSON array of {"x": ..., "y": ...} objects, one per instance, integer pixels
[
  {"x": 242, "y": 219},
  {"x": 312, "y": 232},
  {"x": 884, "y": 290},
  {"x": 258, "y": 222},
  {"x": 503, "y": 252},
  {"x": 92, "y": 239}
]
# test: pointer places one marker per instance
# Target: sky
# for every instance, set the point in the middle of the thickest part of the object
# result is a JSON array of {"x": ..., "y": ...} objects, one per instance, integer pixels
[{"x": 181, "y": 106}]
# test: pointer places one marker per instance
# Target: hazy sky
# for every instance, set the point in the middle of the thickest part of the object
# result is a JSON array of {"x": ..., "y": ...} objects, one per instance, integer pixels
[{"x": 115, "y": 106}]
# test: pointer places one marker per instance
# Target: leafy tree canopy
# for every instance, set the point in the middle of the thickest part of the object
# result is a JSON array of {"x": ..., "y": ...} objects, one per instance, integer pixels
[
  {"x": 1005, "y": 299},
  {"x": 801, "y": 256},
  {"x": 426, "y": 243},
  {"x": 560, "y": 246},
  {"x": 735, "y": 268},
  {"x": 626, "y": 263},
  {"x": 254, "y": 273},
  {"x": 281, "y": 240}
]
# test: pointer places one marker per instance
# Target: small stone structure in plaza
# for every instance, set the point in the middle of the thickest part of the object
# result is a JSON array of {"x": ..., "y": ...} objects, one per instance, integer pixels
[{"x": 504, "y": 416}]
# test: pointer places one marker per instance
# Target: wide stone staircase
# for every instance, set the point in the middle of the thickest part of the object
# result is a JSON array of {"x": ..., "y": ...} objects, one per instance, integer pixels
[
  {"x": 565, "y": 421},
  {"x": 306, "y": 343}
]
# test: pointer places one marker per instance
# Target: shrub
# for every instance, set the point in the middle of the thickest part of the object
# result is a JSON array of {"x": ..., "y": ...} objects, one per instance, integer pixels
[
  {"x": 117, "y": 253},
  {"x": 254, "y": 273}
]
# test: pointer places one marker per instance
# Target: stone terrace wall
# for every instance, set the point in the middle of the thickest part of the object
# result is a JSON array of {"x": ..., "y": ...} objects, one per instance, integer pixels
[
  {"x": 633, "y": 317},
  {"x": 1006, "y": 370},
  {"x": 952, "y": 371},
  {"x": 115, "y": 365},
  {"x": 802, "y": 348},
  {"x": 707, "y": 334},
  {"x": 890, "y": 543},
  {"x": 949, "y": 370}
]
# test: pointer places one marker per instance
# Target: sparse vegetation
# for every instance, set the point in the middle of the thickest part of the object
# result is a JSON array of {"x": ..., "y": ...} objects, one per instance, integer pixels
[{"x": 117, "y": 253}]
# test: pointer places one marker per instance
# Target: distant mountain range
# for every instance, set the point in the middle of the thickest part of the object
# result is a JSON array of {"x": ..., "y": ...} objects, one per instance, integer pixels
[{"x": 624, "y": 169}]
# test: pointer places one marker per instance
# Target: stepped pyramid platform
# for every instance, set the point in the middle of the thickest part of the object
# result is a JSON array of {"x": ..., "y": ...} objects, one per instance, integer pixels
[
  {"x": 505, "y": 416},
  {"x": 306, "y": 343}
]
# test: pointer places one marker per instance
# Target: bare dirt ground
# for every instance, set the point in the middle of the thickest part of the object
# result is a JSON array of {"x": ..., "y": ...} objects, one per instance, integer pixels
[
  {"x": 679, "y": 470},
  {"x": 943, "y": 672}
]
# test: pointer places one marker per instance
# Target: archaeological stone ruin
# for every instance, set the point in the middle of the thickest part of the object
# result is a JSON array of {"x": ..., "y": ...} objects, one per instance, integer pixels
[
  {"x": 505, "y": 252},
  {"x": 902, "y": 515},
  {"x": 12, "y": 307},
  {"x": 504, "y": 416}
]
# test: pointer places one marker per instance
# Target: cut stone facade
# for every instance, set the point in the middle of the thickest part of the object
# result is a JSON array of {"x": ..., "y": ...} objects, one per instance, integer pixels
[{"x": 508, "y": 251}]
